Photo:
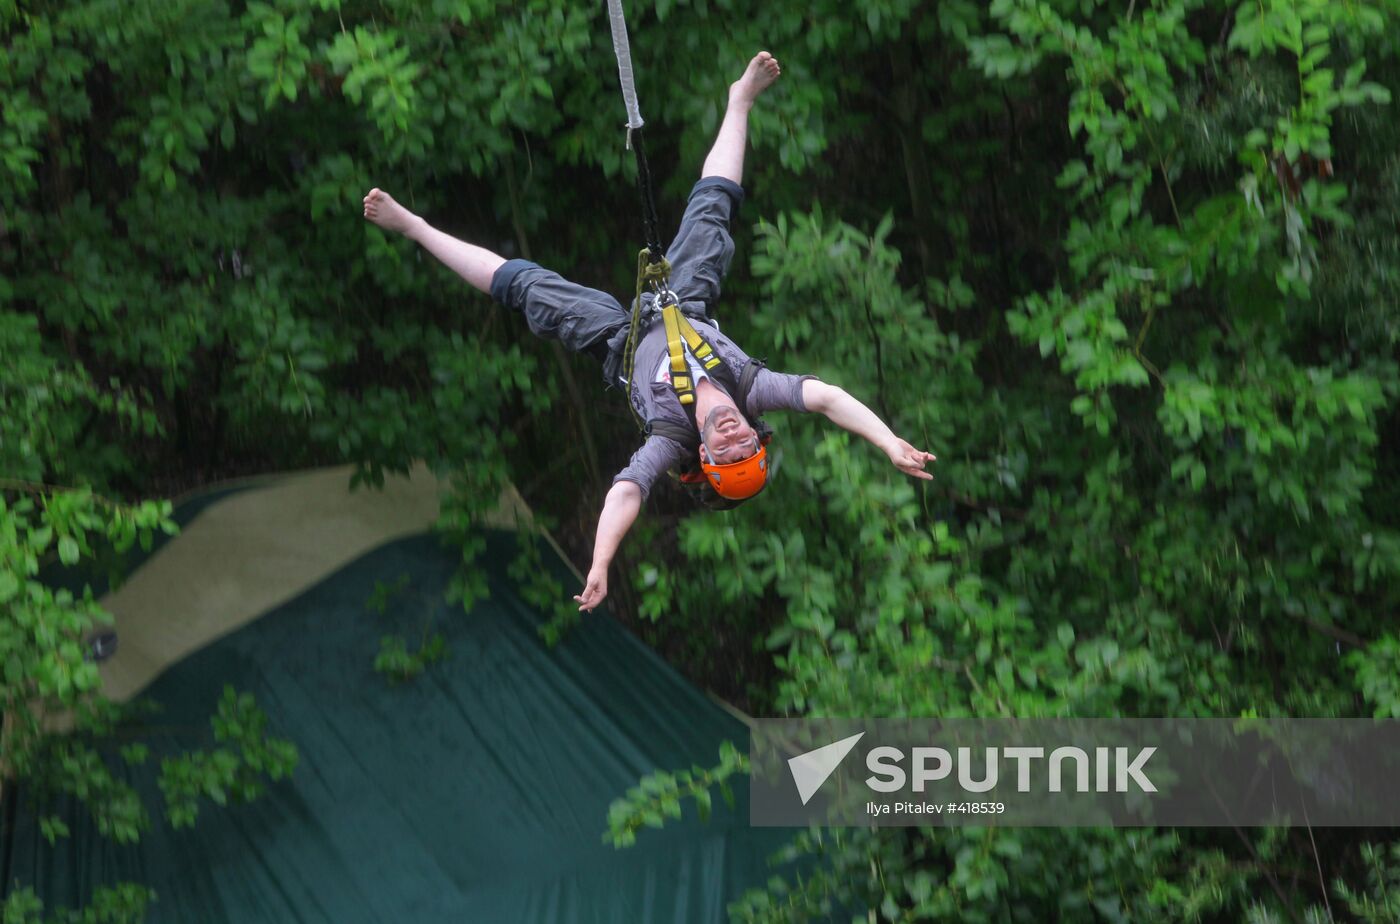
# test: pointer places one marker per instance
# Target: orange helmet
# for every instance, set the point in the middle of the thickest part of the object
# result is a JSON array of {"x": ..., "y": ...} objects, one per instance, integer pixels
[{"x": 737, "y": 480}]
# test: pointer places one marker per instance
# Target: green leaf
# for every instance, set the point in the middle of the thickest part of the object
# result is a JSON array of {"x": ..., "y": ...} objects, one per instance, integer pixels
[
  {"x": 9, "y": 585},
  {"x": 52, "y": 827},
  {"x": 703, "y": 804}
]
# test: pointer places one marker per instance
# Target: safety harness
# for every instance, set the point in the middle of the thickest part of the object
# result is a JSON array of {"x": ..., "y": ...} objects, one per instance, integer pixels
[
  {"x": 680, "y": 335},
  {"x": 653, "y": 272}
]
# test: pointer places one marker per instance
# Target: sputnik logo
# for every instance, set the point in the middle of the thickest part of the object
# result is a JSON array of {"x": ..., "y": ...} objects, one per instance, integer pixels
[{"x": 810, "y": 770}]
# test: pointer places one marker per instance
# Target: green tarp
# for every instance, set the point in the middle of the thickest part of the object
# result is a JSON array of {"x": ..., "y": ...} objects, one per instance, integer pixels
[{"x": 476, "y": 792}]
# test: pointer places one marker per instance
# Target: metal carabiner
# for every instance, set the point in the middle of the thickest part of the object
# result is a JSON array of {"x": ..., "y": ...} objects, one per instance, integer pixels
[{"x": 664, "y": 295}]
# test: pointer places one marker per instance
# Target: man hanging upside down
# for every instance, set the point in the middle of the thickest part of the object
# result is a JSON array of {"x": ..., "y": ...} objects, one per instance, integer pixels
[{"x": 589, "y": 321}]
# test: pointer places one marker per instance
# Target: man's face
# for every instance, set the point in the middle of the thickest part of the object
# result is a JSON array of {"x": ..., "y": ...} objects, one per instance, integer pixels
[{"x": 728, "y": 436}]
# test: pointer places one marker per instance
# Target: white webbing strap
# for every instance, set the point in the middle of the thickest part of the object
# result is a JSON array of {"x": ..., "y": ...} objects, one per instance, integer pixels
[{"x": 624, "y": 67}]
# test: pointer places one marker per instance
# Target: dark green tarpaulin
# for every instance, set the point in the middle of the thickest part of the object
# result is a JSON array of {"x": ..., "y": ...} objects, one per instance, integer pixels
[{"x": 476, "y": 792}]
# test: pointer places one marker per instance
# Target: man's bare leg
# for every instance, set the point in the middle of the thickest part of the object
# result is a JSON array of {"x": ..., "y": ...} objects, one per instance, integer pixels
[
  {"x": 474, "y": 264},
  {"x": 726, "y": 158}
]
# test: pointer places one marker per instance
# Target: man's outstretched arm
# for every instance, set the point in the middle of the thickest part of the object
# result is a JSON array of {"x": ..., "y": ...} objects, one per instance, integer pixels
[
  {"x": 620, "y": 509},
  {"x": 849, "y": 414}
]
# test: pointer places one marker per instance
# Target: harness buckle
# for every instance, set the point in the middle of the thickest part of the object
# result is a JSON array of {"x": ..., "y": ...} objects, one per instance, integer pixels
[{"x": 664, "y": 296}]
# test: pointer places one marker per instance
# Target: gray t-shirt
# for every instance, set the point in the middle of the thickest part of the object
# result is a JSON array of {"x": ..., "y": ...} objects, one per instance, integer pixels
[{"x": 653, "y": 398}]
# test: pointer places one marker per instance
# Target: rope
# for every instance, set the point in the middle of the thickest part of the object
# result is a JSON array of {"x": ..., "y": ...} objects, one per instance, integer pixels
[
  {"x": 624, "y": 67},
  {"x": 650, "y": 222},
  {"x": 647, "y": 272},
  {"x": 652, "y": 266}
]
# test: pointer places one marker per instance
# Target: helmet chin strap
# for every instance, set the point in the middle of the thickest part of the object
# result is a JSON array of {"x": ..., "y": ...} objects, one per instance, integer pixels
[
  {"x": 704, "y": 440},
  {"x": 705, "y": 455}
]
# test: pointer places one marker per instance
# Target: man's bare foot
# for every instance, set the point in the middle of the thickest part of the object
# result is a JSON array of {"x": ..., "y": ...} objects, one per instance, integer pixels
[
  {"x": 762, "y": 71},
  {"x": 381, "y": 209}
]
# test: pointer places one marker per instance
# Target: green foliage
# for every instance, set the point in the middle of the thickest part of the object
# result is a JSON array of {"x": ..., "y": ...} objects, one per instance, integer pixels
[
  {"x": 400, "y": 665},
  {"x": 123, "y": 904},
  {"x": 1378, "y": 897},
  {"x": 384, "y": 594},
  {"x": 394, "y": 661},
  {"x": 538, "y": 588},
  {"x": 1377, "y": 670},
  {"x": 47, "y": 402},
  {"x": 976, "y": 873},
  {"x": 660, "y": 795},
  {"x": 232, "y": 772},
  {"x": 657, "y": 593},
  {"x": 44, "y": 636}
]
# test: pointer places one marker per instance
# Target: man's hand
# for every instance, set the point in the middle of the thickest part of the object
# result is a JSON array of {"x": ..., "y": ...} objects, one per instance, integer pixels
[
  {"x": 594, "y": 590},
  {"x": 909, "y": 460},
  {"x": 849, "y": 414},
  {"x": 619, "y": 510}
]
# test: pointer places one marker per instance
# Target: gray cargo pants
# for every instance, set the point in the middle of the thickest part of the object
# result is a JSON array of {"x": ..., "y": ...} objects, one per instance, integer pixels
[{"x": 588, "y": 321}]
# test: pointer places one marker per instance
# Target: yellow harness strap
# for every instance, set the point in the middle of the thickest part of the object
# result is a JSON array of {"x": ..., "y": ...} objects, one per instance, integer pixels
[
  {"x": 680, "y": 369},
  {"x": 678, "y": 328}
]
